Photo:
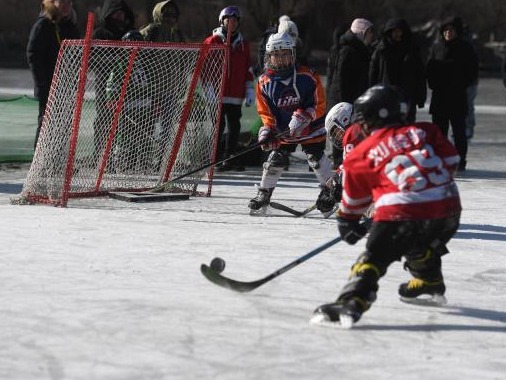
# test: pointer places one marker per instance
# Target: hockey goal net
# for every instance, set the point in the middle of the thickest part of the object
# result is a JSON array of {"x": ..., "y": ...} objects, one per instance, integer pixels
[{"x": 128, "y": 116}]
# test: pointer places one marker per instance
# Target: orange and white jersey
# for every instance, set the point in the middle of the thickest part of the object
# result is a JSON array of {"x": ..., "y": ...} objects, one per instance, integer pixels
[{"x": 277, "y": 98}]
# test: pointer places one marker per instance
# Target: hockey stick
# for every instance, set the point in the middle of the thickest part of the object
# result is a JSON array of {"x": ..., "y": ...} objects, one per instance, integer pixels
[
  {"x": 243, "y": 287},
  {"x": 298, "y": 214},
  {"x": 162, "y": 187}
]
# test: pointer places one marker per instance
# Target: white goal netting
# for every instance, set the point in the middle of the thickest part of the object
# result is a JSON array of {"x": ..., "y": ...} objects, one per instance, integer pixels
[{"x": 128, "y": 116}]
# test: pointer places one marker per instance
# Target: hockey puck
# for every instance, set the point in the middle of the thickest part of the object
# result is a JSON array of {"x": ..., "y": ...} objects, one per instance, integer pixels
[{"x": 218, "y": 265}]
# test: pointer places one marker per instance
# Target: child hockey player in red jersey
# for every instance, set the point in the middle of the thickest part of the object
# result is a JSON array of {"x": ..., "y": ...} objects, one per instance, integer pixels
[
  {"x": 291, "y": 103},
  {"x": 407, "y": 171}
]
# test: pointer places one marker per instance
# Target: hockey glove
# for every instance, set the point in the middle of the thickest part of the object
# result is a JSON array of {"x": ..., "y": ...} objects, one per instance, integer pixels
[
  {"x": 300, "y": 120},
  {"x": 250, "y": 97},
  {"x": 337, "y": 188},
  {"x": 267, "y": 140},
  {"x": 350, "y": 230},
  {"x": 325, "y": 201}
]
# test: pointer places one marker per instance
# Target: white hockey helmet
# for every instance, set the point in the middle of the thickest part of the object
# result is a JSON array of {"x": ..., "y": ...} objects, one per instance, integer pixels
[
  {"x": 336, "y": 122},
  {"x": 230, "y": 11},
  {"x": 276, "y": 43}
]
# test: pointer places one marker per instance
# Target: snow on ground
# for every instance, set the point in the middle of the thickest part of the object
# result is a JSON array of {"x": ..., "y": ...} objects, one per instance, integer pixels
[{"x": 106, "y": 289}]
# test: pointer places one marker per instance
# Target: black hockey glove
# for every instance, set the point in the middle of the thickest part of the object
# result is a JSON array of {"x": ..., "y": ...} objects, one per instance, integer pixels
[
  {"x": 337, "y": 192},
  {"x": 329, "y": 197},
  {"x": 325, "y": 201},
  {"x": 350, "y": 230}
]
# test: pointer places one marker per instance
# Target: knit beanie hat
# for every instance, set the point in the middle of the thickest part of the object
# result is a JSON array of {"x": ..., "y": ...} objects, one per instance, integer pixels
[
  {"x": 359, "y": 26},
  {"x": 284, "y": 18},
  {"x": 288, "y": 27}
]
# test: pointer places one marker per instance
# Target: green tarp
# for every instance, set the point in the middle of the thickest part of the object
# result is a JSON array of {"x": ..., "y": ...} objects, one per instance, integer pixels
[{"x": 18, "y": 123}]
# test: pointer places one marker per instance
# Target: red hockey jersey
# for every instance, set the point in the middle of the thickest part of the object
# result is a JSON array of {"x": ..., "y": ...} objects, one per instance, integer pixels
[
  {"x": 352, "y": 137},
  {"x": 407, "y": 171}
]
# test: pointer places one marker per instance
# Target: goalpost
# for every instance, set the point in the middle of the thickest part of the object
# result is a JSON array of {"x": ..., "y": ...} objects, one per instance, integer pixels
[{"x": 128, "y": 116}]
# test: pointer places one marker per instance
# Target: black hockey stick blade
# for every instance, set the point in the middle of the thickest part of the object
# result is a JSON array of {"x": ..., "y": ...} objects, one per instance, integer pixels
[
  {"x": 228, "y": 283},
  {"x": 244, "y": 286},
  {"x": 298, "y": 214}
]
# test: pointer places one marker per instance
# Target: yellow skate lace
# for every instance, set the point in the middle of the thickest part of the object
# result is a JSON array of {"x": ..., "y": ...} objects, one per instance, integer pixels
[{"x": 416, "y": 283}]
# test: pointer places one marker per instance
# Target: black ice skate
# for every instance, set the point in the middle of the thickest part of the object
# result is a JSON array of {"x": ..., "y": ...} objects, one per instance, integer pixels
[
  {"x": 423, "y": 292},
  {"x": 341, "y": 313},
  {"x": 261, "y": 201}
]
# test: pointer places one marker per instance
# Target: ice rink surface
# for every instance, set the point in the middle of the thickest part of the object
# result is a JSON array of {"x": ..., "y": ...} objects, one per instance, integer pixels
[{"x": 106, "y": 289}]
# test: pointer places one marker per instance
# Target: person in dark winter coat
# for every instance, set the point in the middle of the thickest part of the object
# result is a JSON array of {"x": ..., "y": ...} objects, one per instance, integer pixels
[
  {"x": 332, "y": 85},
  {"x": 351, "y": 77},
  {"x": 396, "y": 61},
  {"x": 452, "y": 67},
  {"x": 164, "y": 27},
  {"x": 332, "y": 62},
  {"x": 68, "y": 22},
  {"x": 46, "y": 35},
  {"x": 116, "y": 19},
  {"x": 354, "y": 58}
]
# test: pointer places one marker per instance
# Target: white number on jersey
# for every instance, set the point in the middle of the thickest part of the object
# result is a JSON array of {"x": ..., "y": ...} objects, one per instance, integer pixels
[{"x": 415, "y": 170}]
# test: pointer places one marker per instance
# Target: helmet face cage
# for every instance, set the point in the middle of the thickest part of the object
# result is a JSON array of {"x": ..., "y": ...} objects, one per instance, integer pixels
[
  {"x": 279, "y": 52},
  {"x": 231, "y": 11},
  {"x": 336, "y": 134}
]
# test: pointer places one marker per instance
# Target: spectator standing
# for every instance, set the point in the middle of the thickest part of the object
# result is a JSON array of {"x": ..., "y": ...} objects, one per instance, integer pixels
[
  {"x": 452, "y": 67},
  {"x": 47, "y": 33},
  {"x": 351, "y": 77},
  {"x": 331, "y": 89},
  {"x": 396, "y": 61},
  {"x": 472, "y": 91},
  {"x": 354, "y": 60},
  {"x": 238, "y": 84},
  {"x": 164, "y": 27},
  {"x": 68, "y": 22},
  {"x": 116, "y": 19}
]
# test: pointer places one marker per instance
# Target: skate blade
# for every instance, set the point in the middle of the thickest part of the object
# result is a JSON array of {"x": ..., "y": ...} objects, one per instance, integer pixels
[
  {"x": 320, "y": 319},
  {"x": 346, "y": 321},
  {"x": 260, "y": 212},
  {"x": 427, "y": 300}
]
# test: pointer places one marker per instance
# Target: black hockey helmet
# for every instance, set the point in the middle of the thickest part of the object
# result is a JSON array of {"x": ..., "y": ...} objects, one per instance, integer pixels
[
  {"x": 379, "y": 106},
  {"x": 133, "y": 35}
]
